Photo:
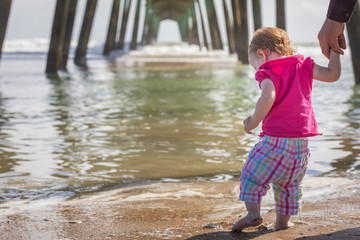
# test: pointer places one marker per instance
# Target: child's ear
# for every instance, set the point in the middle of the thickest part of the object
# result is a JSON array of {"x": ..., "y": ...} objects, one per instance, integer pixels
[{"x": 262, "y": 54}]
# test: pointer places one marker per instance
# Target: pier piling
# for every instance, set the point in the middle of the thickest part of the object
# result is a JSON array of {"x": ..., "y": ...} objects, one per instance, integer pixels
[
  {"x": 280, "y": 14},
  {"x": 68, "y": 33},
  {"x": 206, "y": 43},
  {"x": 57, "y": 36},
  {"x": 353, "y": 30},
  {"x": 256, "y": 5},
  {"x": 133, "y": 44},
  {"x": 111, "y": 34},
  {"x": 5, "y": 6},
  {"x": 241, "y": 29},
  {"x": 229, "y": 29},
  {"x": 124, "y": 23},
  {"x": 80, "y": 54},
  {"x": 214, "y": 25}
]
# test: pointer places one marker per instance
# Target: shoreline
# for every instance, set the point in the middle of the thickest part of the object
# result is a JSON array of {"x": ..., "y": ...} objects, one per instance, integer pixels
[{"x": 182, "y": 210}]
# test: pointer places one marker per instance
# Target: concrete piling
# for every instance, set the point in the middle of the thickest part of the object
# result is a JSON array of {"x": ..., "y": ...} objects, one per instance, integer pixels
[
  {"x": 353, "y": 30},
  {"x": 5, "y": 6},
  {"x": 111, "y": 34}
]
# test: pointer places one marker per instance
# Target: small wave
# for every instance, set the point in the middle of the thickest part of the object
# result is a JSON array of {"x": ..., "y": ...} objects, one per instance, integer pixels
[{"x": 41, "y": 45}]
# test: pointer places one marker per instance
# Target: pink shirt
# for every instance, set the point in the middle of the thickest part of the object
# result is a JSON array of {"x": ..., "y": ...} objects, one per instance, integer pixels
[{"x": 291, "y": 115}]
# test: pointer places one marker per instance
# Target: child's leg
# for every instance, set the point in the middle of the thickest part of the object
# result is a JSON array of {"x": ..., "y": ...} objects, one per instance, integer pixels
[
  {"x": 283, "y": 222},
  {"x": 252, "y": 218},
  {"x": 288, "y": 197}
]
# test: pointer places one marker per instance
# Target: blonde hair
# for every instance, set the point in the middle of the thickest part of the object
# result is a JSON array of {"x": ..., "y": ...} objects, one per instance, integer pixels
[{"x": 272, "y": 39}]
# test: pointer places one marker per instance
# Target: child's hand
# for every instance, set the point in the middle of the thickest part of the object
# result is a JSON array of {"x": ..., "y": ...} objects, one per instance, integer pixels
[
  {"x": 333, "y": 53},
  {"x": 249, "y": 125}
]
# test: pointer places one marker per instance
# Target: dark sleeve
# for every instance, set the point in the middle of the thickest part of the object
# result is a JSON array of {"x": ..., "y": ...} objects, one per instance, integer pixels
[{"x": 340, "y": 10}]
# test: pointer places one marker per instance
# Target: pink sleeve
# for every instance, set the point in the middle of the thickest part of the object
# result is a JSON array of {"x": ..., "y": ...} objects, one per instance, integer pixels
[
  {"x": 261, "y": 75},
  {"x": 309, "y": 65}
]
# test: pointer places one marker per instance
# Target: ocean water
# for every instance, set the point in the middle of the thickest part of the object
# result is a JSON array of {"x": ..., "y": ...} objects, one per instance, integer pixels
[{"x": 167, "y": 113}]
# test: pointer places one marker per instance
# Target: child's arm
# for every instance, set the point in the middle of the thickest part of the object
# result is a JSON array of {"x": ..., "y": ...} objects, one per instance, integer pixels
[
  {"x": 332, "y": 72},
  {"x": 263, "y": 105}
]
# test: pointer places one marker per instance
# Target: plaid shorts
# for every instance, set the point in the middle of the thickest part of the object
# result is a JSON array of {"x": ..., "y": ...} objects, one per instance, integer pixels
[{"x": 282, "y": 162}]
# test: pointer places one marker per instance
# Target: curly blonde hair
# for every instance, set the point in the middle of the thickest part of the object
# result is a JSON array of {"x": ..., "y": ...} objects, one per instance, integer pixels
[{"x": 272, "y": 39}]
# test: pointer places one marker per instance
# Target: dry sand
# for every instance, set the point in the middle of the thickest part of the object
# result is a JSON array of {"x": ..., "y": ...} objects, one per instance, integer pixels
[{"x": 331, "y": 210}]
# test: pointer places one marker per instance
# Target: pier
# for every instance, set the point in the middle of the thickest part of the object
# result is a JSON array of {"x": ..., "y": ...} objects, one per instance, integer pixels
[{"x": 195, "y": 19}]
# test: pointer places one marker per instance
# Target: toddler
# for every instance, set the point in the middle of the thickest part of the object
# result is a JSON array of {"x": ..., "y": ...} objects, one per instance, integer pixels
[{"x": 284, "y": 107}]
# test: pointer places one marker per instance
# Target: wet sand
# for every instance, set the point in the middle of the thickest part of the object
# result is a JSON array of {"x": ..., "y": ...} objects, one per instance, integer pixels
[{"x": 187, "y": 210}]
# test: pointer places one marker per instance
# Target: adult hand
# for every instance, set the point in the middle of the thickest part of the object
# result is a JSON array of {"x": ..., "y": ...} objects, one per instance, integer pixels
[{"x": 331, "y": 36}]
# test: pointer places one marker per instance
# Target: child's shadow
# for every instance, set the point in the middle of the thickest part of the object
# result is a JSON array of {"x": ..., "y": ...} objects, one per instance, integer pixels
[{"x": 229, "y": 235}]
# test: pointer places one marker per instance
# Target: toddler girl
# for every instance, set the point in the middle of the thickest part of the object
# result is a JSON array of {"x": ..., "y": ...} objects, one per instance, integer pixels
[{"x": 285, "y": 109}]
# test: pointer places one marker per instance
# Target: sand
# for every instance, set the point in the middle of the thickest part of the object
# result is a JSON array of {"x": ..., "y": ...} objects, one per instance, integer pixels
[{"x": 186, "y": 210}]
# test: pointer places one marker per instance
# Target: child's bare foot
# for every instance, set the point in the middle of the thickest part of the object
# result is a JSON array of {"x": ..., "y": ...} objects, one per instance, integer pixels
[
  {"x": 284, "y": 226},
  {"x": 248, "y": 221}
]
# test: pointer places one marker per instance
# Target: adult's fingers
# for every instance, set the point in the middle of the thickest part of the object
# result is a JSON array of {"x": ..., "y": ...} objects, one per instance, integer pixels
[
  {"x": 325, "y": 48},
  {"x": 334, "y": 45},
  {"x": 342, "y": 41}
]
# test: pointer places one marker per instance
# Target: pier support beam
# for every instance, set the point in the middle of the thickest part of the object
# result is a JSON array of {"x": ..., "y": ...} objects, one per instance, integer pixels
[
  {"x": 241, "y": 29},
  {"x": 353, "y": 30},
  {"x": 80, "y": 55},
  {"x": 4, "y": 17},
  {"x": 280, "y": 14},
  {"x": 206, "y": 43},
  {"x": 229, "y": 29},
  {"x": 57, "y": 36},
  {"x": 146, "y": 23},
  {"x": 256, "y": 4},
  {"x": 68, "y": 33},
  {"x": 214, "y": 25},
  {"x": 133, "y": 44},
  {"x": 111, "y": 34},
  {"x": 124, "y": 23},
  {"x": 195, "y": 26}
]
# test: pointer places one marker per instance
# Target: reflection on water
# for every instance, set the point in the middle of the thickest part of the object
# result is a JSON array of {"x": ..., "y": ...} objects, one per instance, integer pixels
[{"x": 117, "y": 124}]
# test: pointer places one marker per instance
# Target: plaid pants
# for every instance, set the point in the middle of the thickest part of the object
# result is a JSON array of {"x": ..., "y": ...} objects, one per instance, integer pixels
[{"x": 282, "y": 162}]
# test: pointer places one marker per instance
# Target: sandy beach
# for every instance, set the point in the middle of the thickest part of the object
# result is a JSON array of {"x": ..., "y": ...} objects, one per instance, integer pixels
[{"x": 186, "y": 210}]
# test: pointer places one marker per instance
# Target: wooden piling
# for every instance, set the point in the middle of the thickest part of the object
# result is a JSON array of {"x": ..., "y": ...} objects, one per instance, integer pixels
[
  {"x": 195, "y": 26},
  {"x": 146, "y": 23},
  {"x": 124, "y": 23},
  {"x": 111, "y": 34},
  {"x": 206, "y": 43},
  {"x": 133, "y": 44},
  {"x": 80, "y": 55},
  {"x": 241, "y": 29},
  {"x": 190, "y": 26},
  {"x": 353, "y": 30},
  {"x": 256, "y": 5},
  {"x": 57, "y": 36},
  {"x": 214, "y": 25},
  {"x": 184, "y": 29},
  {"x": 229, "y": 29},
  {"x": 5, "y": 6},
  {"x": 280, "y": 14},
  {"x": 68, "y": 33}
]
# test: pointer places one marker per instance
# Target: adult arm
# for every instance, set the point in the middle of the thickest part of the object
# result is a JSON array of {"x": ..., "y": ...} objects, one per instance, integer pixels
[
  {"x": 331, "y": 35},
  {"x": 263, "y": 105}
]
